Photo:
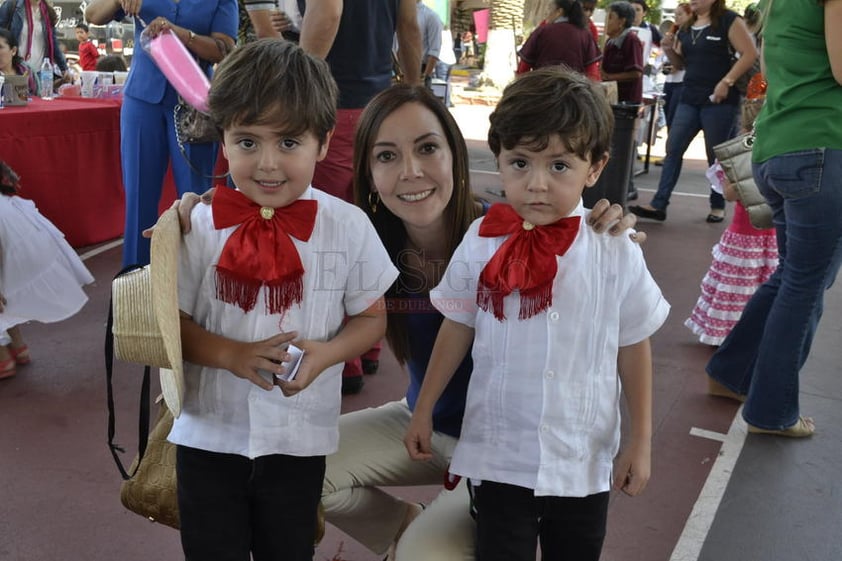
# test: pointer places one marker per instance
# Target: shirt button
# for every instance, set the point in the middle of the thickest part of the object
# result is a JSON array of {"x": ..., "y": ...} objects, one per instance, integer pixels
[
  {"x": 544, "y": 428},
  {"x": 550, "y": 374},
  {"x": 554, "y": 316}
]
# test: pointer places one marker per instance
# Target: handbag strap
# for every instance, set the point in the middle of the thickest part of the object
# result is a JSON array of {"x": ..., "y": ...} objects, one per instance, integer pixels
[
  {"x": 180, "y": 141},
  {"x": 143, "y": 419}
]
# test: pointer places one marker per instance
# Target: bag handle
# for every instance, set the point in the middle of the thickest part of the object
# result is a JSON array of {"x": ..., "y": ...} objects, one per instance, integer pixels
[
  {"x": 143, "y": 419},
  {"x": 180, "y": 141}
]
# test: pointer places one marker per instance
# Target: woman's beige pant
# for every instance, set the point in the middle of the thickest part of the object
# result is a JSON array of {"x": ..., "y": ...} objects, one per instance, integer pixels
[{"x": 371, "y": 454}]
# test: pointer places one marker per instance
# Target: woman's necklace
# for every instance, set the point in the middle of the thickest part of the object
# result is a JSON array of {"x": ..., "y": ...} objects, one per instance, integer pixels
[{"x": 696, "y": 33}]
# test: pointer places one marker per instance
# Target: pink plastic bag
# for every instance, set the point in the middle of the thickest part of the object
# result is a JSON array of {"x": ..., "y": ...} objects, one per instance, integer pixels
[{"x": 180, "y": 68}]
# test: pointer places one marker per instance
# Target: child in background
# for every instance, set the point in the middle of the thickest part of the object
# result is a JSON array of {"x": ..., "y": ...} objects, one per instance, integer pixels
[
  {"x": 88, "y": 54},
  {"x": 744, "y": 258},
  {"x": 269, "y": 261},
  {"x": 554, "y": 311},
  {"x": 40, "y": 274}
]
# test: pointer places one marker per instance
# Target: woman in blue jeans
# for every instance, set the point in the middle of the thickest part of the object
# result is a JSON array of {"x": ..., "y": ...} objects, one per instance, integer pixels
[
  {"x": 798, "y": 168},
  {"x": 709, "y": 101}
]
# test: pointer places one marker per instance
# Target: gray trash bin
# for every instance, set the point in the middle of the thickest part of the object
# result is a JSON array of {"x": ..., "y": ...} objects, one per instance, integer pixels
[{"x": 613, "y": 184}]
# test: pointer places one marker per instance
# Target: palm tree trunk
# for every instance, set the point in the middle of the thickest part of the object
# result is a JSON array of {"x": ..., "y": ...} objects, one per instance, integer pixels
[{"x": 500, "y": 50}]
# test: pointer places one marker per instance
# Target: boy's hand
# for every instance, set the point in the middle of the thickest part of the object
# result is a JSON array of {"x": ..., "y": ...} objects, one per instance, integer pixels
[
  {"x": 605, "y": 216},
  {"x": 184, "y": 206},
  {"x": 418, "y": 439},
  {"x": 632, "y": 469},
  {"x": 245, "y": 359},
  {"x": 311, "y": 366}
]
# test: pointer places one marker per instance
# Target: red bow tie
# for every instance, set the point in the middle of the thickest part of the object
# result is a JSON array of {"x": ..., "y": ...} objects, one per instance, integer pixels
[
  {"x": 260, "y": 252},
  {"x": 526, "y": 261}
]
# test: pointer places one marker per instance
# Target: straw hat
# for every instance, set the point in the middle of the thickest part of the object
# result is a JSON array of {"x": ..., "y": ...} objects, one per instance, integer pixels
[{"x": 147, "y": 327}]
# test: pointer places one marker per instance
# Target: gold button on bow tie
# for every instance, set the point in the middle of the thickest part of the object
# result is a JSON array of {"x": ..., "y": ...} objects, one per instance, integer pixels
[
  {"x": 267, "y": 212},
  {"x": 528, "y": 225}
]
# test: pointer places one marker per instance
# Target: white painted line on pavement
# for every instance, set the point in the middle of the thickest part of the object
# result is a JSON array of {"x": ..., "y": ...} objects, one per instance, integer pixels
[
  {"x": 101, "y": 249},
  {"x": 709, "y": 434},
  {"x": 698, "y": 525}
]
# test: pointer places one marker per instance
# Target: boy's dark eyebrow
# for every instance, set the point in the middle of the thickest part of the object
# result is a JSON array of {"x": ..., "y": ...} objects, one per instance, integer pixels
[{"x": 415, "y": 141}]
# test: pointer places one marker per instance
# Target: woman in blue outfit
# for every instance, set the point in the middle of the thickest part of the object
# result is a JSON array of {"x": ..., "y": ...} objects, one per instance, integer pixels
[
  {"x": 797, "y": 166},
  {"x": 709, "y": 101},
  {"x": 148, "y": 144}
]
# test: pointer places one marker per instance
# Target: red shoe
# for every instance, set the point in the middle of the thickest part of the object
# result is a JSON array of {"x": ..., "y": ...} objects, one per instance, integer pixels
[
  {"x": 7, "y": 368},
  {"x": 20, "y": 355}
]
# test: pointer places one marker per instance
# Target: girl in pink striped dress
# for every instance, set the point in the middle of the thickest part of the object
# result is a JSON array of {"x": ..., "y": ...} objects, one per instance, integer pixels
[{"x": 742, "y": 260}]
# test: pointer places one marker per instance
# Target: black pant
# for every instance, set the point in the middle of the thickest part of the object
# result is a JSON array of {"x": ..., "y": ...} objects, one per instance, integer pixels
[
  {"x": 511, "y": 519},
  {"x": 230, "y": 505}
]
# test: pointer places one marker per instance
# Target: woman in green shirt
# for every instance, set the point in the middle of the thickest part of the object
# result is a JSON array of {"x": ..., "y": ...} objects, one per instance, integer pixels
[{"x": 798, "y": 167}]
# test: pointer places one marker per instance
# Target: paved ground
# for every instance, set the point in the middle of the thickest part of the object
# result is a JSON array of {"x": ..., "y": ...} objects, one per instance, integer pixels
[{"x": 715, "y": 494}]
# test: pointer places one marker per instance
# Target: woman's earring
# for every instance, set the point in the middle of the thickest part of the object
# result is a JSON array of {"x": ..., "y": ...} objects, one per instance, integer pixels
[{"x": 373, "y": 199}]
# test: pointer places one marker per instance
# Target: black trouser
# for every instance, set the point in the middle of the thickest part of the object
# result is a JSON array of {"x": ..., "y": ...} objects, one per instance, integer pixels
[
  {"x": 230, "y": 505},
  {"x": 511, "y": 519}
]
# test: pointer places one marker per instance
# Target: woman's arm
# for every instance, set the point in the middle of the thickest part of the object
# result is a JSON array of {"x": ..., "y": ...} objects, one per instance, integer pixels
[
  {"x": 833, "y": 36},
  {"x": 320, "y": 25},
  {"x": 742, "y": 41},
  {"x": 672, "y": 48},
  {"x": 211, "y": 48},
  {"x": 100, "y": 12}
]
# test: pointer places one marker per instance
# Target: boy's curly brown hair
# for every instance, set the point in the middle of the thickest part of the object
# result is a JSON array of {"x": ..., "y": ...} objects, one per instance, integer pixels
[
  {"x": 553, "y": 101},
  {"x": 270, "y": 81}
]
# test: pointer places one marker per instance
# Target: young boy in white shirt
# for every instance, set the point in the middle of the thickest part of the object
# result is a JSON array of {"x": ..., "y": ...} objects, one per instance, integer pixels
[
  {"x": 269, "y": 262},
  {"x": 553, "y": 311}
]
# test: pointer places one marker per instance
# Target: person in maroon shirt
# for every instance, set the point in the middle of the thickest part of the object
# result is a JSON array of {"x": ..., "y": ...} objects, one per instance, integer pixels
[
  {"x": 563, "y": 40},
  {"x": 88, "y": 54},
  {"x": 622, "y": 59}
]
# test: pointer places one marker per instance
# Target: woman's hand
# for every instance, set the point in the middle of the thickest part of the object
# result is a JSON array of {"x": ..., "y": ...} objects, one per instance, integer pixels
[
  {"x": 720, "y": 92},
  {"x": 281, "y": 21},
  {"x": 668, "y": 42},
  {"x": 605, "y": 216},
  {"x": 184, "y": 206},
  {"x": 131, "y": 7}
]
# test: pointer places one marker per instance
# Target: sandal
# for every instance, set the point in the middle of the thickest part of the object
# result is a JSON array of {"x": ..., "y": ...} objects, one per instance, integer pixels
[
  {"x": 7, "y": 368},
  {"x": 20, "y": 354},
  {"x": 802, "y": 428},
  {"x": 720, "y": 390}
]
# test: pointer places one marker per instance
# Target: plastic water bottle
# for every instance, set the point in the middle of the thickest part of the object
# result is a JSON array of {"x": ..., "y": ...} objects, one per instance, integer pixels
[{"x": 45, "y": 79}]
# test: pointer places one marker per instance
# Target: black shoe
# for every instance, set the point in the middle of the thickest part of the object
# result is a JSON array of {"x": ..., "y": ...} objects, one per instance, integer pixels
[
  {"x": 352, "y": 385},
  {"x": 714, "y": 218},
  {"x": 653, "y": 214},
  {"x": 370, "y": 366}
]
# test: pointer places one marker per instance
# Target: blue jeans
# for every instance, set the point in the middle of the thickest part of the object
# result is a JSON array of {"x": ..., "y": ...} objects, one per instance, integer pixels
[
  {"x": 763, "y": 354},
  {"x": 717, "y": 120}
]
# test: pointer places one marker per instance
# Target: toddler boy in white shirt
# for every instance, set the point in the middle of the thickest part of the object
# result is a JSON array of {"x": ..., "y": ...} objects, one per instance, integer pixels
[
  {"x": 554, "y": 311},
  {"x": 269, "y": 262}
]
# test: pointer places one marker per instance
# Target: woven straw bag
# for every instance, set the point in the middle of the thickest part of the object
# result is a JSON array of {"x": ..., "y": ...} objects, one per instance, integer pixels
[{"x": 152, "y": 491}]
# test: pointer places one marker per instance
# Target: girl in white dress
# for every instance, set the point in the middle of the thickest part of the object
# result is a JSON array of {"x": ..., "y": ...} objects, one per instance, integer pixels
[{"x": 40, "y": 274}]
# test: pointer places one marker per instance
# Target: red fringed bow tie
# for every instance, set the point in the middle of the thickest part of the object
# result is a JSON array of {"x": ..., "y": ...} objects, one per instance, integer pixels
[
  {"x": 526, "y": 261},
  {"x": 260, "y": 252}
]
